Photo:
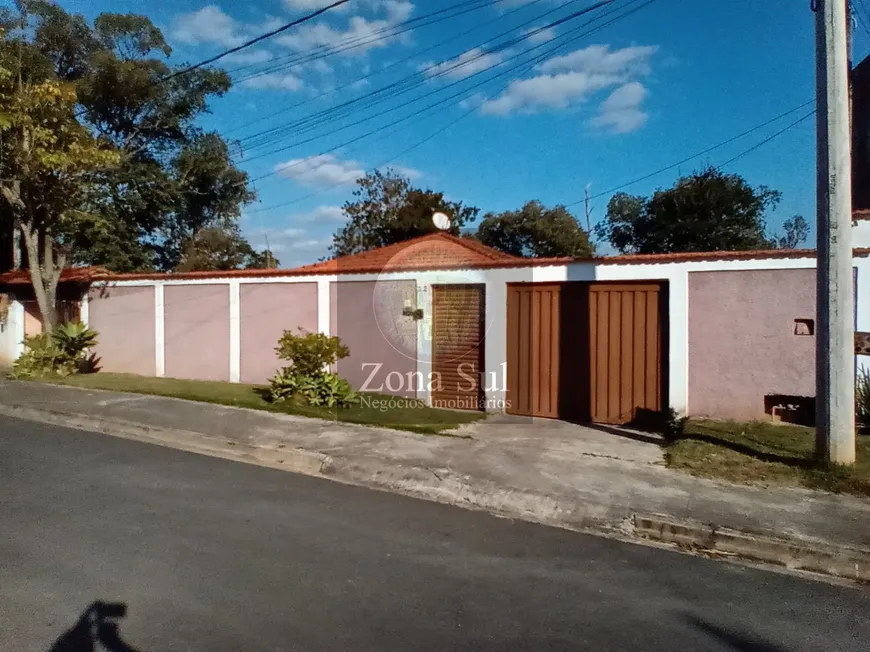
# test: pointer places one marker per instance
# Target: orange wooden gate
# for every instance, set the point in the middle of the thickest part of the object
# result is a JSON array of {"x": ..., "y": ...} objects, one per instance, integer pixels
[
  {"x": 533, "y": 349},
  {"x": 584, "y": 351},
  {"x": 625, "y": 351},
  {"x": 458, "y": 313}
]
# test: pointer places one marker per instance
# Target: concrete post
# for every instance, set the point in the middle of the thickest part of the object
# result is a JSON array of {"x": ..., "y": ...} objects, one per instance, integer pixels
[{"x": 835, "y": 344}]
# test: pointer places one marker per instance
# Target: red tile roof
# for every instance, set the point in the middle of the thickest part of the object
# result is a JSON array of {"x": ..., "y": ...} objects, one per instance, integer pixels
[
  {"x": 433, "y": 251},
  {"x": 69, "y": 275},
  {"x": 437, "y": 251}
]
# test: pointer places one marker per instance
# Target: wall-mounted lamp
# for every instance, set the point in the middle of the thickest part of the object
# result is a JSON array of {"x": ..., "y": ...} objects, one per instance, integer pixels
[{"x": 410, "y": 311}]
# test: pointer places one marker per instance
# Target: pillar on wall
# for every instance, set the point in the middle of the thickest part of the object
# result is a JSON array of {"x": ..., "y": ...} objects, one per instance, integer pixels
[
  {"x": 495, "y": 346},
  {"x": 159, "y": 333},
  {"x": 861, "y": 231}
]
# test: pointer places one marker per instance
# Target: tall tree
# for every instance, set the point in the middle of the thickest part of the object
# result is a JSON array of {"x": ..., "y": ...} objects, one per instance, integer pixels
[
  {"x": 705, "y": 211},
  {"x": 221, "y": 249},
  {"x": 49, "y": 165},
  {"x": 388, "y": 209},
  {"x": 172, "y": 179},
  {"x": 536, "y": 231}
]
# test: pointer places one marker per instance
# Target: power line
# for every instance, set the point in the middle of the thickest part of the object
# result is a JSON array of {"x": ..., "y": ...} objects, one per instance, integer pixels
[
  {"x": 390, "y": 65},
  {"x": 464, "y": 91},
  {"x": 253, "y": 41},
  {"x": 463, "y": 115},
  {"x": 408, "y": 83},
  {"x": 296, "y": 59},
  {"x": 767, "y": 140},
  {"x": 710, "y": 149}
]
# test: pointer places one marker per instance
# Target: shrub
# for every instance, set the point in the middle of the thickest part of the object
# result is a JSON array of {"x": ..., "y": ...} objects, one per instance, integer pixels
[
  {"x": 310, "y": 353},
  {"x": 283, "y": 385},
  {"x": 322, "y": 389},
  {"x": 862, "y": 400},
  {"x": 74, "y": 338},
  {"x": 306, "y": 379},
  {"x": 60, "y": 353}
]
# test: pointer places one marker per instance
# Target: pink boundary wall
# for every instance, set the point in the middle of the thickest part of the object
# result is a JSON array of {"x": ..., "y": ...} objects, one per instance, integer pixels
[
  {"x": 742, "y": 341},
  {"x": 124, "y": 319},
  {"x": 266, "y": 310},
  {"x": 197, "y": 331},
  {"x": 370, "y": 323}
]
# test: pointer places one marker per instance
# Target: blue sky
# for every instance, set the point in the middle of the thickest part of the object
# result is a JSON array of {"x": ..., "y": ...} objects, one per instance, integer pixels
[{"x": 669, "y": 80}]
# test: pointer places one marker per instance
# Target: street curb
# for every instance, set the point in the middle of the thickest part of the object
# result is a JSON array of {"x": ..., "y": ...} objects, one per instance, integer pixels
[
  {"x": 847, "y": 563},
  {"x": 444, "y": 486},
  {"x": 290, "y": 459}
]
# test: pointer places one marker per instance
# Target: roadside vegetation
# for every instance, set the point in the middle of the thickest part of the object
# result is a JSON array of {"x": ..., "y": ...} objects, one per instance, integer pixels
[
  {"x": 764, "y": 454},
  {"x": 371, "y": 410}
]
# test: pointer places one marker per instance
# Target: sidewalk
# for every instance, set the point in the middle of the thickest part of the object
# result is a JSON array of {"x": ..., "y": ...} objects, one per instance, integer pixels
[{"x": 548, "y": 472}]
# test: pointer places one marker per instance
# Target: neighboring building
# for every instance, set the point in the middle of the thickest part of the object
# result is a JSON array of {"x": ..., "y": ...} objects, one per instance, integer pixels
[
  {"x": 861, "y": 153},
  {"x": 721, "y": 334}
]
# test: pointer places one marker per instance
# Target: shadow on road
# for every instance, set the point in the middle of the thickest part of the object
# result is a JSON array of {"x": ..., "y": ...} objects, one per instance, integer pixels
[
  {"x": 98, "y": 624},
  {"x": 739, "y": 641}
]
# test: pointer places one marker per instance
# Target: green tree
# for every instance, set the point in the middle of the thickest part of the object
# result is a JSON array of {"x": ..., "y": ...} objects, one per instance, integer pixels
[
  {"x": 172, "y": 179},
  {"x": 49, "y": 165},
  {"x": 705, "y": 211},
  {"x": 221, "y": 249},
  {"x": 796, "y": 230},
  {"x": 536, "y": 231},
  {"x": 388, "y": 209}
]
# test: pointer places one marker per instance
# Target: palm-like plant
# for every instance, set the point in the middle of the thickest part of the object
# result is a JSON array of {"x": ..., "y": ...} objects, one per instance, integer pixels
[{"x": 74, "y": 338}]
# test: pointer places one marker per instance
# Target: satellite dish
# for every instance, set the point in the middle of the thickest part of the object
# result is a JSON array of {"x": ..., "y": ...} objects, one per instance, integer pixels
[{"x": 441, "y": 221}]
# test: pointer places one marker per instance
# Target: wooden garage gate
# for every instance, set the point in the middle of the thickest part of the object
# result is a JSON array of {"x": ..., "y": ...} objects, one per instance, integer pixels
[
  {"x": 458, "y": 313},
  {"x": 584, "y": 351}
]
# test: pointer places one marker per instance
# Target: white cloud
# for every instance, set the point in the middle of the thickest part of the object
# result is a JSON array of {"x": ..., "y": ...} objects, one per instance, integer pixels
[
  {"x": 466, "y": 64},
  {"x": 600, "y": 59},
  {"x": 547, "y": 92},
  {"x": 313, "y": 5},
  {"x": 330, "y": 214},
  {"x": 321, "y": 171},
  {"x": 621, "y": 113},
  {"x": 249, "y": 56},
  {"x": 292, "y": 246},
  {"x": 361, "y": 30},
  {"x": 274, "y": 81},
  {"x": 572, "y": 78},
  {"x": 411, "y": 173},
  {"x": 207, "y": 25},
  {"x": 541, "y": 34}
]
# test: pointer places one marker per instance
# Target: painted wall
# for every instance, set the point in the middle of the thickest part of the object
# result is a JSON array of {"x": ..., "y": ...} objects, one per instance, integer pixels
[
  {"x": 124, "y": 320},
  {"x": 367, "y": 316},
  {"x": 743, "y": 343},
  {"x": 197, "y": 331},
  {"x": 339, "y": 312},
  {"x": 266, "y": 310}
]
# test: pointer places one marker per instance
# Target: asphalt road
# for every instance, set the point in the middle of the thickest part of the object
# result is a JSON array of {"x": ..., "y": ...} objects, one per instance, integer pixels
[{"x": 210, "y": 555}]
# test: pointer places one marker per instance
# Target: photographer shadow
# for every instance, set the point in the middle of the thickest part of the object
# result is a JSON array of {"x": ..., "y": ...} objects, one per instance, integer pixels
[{"x": 97, "y": 625}]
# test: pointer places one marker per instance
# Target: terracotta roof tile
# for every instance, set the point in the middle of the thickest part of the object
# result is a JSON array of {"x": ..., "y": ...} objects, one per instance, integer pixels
[
  {"x": 69, "y": 275},
  {"x": 438, "y": 251}
]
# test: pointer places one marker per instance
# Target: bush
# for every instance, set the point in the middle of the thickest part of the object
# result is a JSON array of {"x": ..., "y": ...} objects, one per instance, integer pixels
[
  {"x": 283, "y": 385},
  {"x": 322, "y": 389},
  {"x": 310, "y": 353},
  {"x": 62, "y": 352},
  {"x": 307, "y": 380},
  {"x": 862, "y": 400}
]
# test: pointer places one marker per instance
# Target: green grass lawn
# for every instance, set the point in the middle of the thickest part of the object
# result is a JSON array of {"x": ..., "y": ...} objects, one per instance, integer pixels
[
  {"x": 765, "y": 453},
  {"x": 400, "y": 414}
]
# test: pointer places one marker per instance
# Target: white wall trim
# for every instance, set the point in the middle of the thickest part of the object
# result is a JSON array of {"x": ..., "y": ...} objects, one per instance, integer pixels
[
  {"x": 235, "y": 333},
  {"x": 84, "y": 309},
  {"x": 159, "y": 333},
  {"x": 324, "y": 307}
]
